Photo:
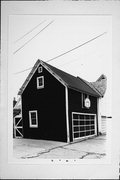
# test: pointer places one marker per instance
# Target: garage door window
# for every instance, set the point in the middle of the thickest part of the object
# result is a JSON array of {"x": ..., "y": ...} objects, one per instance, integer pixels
[
  {"x": 84, "y": 125},
  {"x": 33, "y": 119}
]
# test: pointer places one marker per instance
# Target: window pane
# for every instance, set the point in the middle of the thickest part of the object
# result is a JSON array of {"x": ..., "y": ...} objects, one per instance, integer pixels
[
  {"x": 87, "y": 127},
  {"x": 87, "y": 122},
  {"x": 75, "y": 116},
  {"x": 76, "y": 129},
  {"x": 92, "y": 117},
  {"x": 75, "y": 122},
  {"x": 81, "y": 116},
  {"x": 40, "y": 69},
  {"x": 88, "y": 133},
  {"x": 76, "y": 135},
  {"x": 40, "y": 81},
  {"x": 33, "y": 118},
  {"x": 87, "y": 117},
  {"x": 82, "y": 128},
  {"x": 33, "y": 121},
  {"x": 82, "y": 134},
  {"x": 92, "y": 122},
  {"x": 82, "y": 122},
  {"x": 92, "y": 127},
  {"x": 92, "y": 132},
  {"x": 33, "y": 115}
]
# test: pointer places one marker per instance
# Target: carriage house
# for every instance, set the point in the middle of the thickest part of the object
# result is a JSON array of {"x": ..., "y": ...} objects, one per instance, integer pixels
[{"x": 58, "y": 106}]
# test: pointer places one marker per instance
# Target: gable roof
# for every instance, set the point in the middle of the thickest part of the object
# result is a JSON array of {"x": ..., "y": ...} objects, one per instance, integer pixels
[{"x": 73, "y": 82}]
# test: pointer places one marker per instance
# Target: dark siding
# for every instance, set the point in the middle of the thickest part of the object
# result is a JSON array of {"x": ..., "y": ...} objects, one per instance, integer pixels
[
  {"x": 75, "y": 105},
  {"x": 50, "y": 104}
]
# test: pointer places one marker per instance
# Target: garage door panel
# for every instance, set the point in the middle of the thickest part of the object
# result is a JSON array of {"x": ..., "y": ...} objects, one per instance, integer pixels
[
  {"x": 84, "y": 125},
  {"x": 88, "y": 133},
  {"x": 76, "y": 135},
  {"x": 93, "y": 132},
  {"x": 76, "y": 128},
  {"x": 93, "y": 127},
  {"x": 82, "y": 122},
  {"x": 82, "y": 134},
  {"x": 82, "y": 128},
  {"x": 87, "y": 122},
  {"x": 88, "y": 127},
  {"x": 75, "y": 122},
  {"x": 75, "y": 116},
  {"x": 92, "y": 122},
  {"x": 81, "y": 116}
]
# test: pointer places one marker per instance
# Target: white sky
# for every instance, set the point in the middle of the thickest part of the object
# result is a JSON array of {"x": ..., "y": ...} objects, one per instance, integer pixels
[{"x": 65, "y": 33}]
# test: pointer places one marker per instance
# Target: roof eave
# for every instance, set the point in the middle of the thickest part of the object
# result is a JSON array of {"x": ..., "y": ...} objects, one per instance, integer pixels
[
  {"x": 98, "y": 96},
  {"x": 29, "y": 77}
]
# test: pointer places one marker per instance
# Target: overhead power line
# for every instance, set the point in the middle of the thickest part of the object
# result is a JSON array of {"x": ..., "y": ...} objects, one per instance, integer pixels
[
  {"x": 76, "y": 47},
  {"x": 29, "y": 31},
  {"x": 32, "y": 38},
  {"x": 67, "y": 51},
  {"x": 24, "y": 70}
]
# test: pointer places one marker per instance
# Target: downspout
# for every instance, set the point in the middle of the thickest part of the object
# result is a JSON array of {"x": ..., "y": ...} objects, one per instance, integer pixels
[{"x": 67, "y": 116}]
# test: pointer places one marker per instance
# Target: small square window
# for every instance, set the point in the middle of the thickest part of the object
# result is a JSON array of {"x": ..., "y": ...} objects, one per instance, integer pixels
[
  {"x": 40, "y": 69},
  {"x": 33, "y": 119},
  {"x": 40, "y": 82}
]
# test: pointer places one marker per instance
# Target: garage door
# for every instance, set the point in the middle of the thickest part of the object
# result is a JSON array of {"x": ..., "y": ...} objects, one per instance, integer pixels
[{"x": 83, "y": 125}]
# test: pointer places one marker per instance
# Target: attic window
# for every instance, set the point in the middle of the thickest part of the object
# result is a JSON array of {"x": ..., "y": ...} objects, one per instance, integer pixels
[
  {"x": 40, "y": 82},
  {"x": 40, "y": 69}
]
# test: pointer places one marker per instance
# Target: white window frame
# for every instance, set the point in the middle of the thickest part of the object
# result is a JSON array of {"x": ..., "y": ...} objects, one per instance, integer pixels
[
  {"x": 83, "y": 100},
  {"x": 40, "y": 69},
  {"x": 30, "y": 120},
  {"x": 42, "y": 86}
]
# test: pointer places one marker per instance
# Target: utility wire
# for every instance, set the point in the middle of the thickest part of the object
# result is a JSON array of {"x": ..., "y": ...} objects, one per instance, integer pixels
[
  {"x": 32, "y": 38},
  {"x": 75, "y": 47},
  {"x": 23, "y": 70},
  {"x": 67, "y": 51},
  {"x": 29, "y": 31}
]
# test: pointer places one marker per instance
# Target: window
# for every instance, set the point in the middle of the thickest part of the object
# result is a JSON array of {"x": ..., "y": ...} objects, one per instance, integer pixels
[
  {"x": 40, "y": 82},
  {"x": 40, "y": 69},
  {"x": 33, "y": 119},
  {"x": 85, "y": 101}
]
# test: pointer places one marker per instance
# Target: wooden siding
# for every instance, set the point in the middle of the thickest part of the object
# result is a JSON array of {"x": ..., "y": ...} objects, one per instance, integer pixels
[
  {"x": 75, "y": 105},
  {"x": 50, "y": 105}
]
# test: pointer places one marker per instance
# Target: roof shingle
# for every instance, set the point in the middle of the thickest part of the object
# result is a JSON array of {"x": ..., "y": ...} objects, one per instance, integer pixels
[{"x": 73, "y": 82}]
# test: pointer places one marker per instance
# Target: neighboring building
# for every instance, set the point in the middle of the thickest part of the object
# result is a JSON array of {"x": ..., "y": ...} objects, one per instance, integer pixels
[
  {"x": 16, "y": 107},
  {"x": 17, "y": 117},
  {"x": 58, "y": 106}
]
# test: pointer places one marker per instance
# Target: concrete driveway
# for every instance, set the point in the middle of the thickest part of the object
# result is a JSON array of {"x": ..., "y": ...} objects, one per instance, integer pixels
[{"x": 88, "y": 149}]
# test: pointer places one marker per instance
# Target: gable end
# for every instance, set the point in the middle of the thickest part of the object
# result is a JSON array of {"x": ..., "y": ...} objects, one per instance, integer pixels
[{"x": 35, "y": 67}]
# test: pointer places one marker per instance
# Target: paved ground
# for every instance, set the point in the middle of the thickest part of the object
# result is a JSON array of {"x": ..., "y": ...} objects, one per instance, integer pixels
[{"x": 88, "y": 149}]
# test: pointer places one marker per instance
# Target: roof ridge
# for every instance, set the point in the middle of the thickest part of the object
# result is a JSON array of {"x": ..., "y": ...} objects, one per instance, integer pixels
[
  {"x": 76, "y": 77},
  {"x": 71, "y": 81}
]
